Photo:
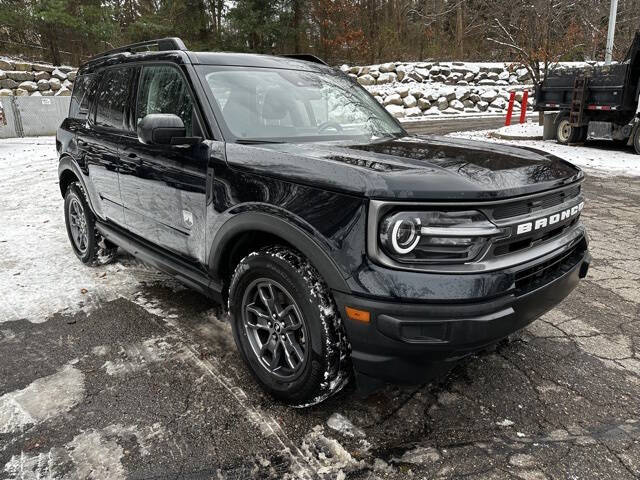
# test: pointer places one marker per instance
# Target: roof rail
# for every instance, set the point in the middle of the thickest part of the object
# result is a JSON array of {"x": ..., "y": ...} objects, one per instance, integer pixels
[
  {"x": 160, "y": 45},
  {"x": 307, "y": 57}
]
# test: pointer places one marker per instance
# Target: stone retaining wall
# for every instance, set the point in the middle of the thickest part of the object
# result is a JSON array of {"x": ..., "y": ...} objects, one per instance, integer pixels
[{"x": 21, "y": 78}]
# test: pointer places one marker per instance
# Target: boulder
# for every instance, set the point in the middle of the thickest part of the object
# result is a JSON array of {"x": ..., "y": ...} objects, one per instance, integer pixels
[
  {"x": 432, "y": 96},
  {"x": 503, "y": 83},
  {"x": 19, "y": 76},
  {"x": 366, "y": 80},
  {"x": 424, "y": 104},
  {"x": 462, "y": 94},
  {"x": 412, "y": 112},
  {"x": 409, "y": 101},
  {"x": 457, "y": 105},
  {"x": 29, "y": 86},
  {"x": 408, "y": 80},
  {"x": 378, "y": 98},
  {"x": 8, "y": 83},
  {"x": 72, "y": 75},
  {"x": 354, "y": 70},
  {"x": 482, "y": 106},
  {"x": 43, "y": 67},
  {"x": 3, "y": 75},
  {"x": 443, "y": 104},
  {"x": 374, "y": 73},
  {"x": 386, "y": 78},
  {"x": 55, "y": 84},
  {"x": 36, "y": 94},
  {"x": 493, "y": 76},
  {"x": 37, "y": 76},
  {"x": 403, "y": 91},
  {"x": 416, "y": 92},
  {"x": 401, "y": 72},
  {"x": 448, "y": 93},
  {"x": 396, "y": 110},
  {"x": 435, "y": 70},
  {"x": 499, "y": 103},
  {"x": 513, "y": 80},
  {"x": 6, "y": 65},
  {"x": 21, "y": 92},
  {"x": 352, "y": 76},
  {"x": 6, "y": 92},
  {"x": 487, "y": 82},
  {"x": 468, "y": 104},
  {"x": 387, "y": 67},
  {"x": 504, "y": 75},
  {"x": 489, "y": 96},
  {"x": 63, "y": 92},
  {"x": 22, "y": 66},
  {"x": 65, "y": 68},
  {"x": 59, "y": 74},
  {"x": 393, "y": 99},
  {"x": 48, "y": 93},
  {"x": 474, "y": 97},
  {"x": 43, "y": 85},
  {"x": 344, "y": 68},
  {"x": 414, "y": 75},
  {"x": 468, "y": 77}
]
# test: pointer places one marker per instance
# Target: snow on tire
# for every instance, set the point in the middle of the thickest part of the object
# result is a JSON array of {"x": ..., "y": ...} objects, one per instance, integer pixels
[{"x": 266, "y": 284}]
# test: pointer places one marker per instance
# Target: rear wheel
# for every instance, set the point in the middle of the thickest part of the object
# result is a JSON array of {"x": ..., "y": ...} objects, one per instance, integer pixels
[
  {"x": 286, "y": 326},
  {"x": 87, "y": 244},
  {"x": 566, "y": 133}
]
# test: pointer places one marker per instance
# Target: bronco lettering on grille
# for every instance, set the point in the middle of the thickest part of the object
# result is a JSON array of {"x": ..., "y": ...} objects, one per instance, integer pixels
[{"x": 549, "y": 220}]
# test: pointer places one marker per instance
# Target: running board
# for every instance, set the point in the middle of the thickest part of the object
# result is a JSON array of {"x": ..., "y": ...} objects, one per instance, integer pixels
[{"x": 151, "y": 255}]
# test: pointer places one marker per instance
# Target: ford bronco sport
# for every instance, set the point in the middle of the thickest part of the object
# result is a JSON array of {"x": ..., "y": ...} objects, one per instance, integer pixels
[{"x": 340, "y": 244}]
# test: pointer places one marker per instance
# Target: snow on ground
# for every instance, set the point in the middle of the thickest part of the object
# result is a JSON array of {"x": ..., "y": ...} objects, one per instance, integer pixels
[
  {"x": 600, "y": 159},
  {"x": 31, "y": 210},
  {"x": 519, "y": 131}
]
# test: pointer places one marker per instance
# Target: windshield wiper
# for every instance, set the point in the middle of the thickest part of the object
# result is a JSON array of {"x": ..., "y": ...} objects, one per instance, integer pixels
[{"x": 255, "y": 141}]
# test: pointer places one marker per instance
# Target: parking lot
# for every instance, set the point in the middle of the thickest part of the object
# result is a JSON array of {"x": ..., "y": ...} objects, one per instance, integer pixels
[{"x": 119, "y": 372}]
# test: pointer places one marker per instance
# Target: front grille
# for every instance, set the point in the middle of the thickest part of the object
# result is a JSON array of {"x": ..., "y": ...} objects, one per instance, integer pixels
[
  {"x": 525, "y": 207},
  {"x": 543, "y": 273}
]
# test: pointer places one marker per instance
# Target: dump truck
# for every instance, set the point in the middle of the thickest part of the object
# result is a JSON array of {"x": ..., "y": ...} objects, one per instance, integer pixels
[{"x": 597, "y": 102}]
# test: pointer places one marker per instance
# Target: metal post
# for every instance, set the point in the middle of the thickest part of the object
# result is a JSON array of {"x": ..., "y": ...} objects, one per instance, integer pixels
[{"x": 612, "y": 30}]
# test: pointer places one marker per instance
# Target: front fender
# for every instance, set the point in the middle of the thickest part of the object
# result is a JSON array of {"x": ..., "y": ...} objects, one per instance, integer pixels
[{"x": 291, "y": 229}]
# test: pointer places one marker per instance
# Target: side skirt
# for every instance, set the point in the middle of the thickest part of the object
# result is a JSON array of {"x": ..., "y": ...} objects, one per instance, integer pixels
[{"x": 182, "y": 271}]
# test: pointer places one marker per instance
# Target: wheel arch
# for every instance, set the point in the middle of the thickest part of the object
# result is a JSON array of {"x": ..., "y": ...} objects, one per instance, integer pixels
[
  {"x": 251, "y": 230},
  {"x": 68, "y": 172}
]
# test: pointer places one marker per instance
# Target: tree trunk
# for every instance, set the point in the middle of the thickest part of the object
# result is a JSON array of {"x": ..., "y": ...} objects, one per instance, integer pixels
[{"x": 460, "y": 30}]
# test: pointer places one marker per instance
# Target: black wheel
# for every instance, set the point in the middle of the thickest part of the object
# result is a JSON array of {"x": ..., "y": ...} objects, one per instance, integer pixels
[
  {"x": 286, "y": 326},
  {"x": 87, "y": 244},
  {"x": 636, "y": 140},
  {"x": 567, "y": 134}
]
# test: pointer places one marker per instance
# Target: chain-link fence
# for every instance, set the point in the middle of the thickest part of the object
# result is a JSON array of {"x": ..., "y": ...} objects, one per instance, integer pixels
[{"x": 31, "y": 116}]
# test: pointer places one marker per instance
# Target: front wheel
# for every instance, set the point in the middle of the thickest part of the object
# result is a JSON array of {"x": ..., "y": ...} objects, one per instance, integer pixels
[{"x": 286, "y": 326}]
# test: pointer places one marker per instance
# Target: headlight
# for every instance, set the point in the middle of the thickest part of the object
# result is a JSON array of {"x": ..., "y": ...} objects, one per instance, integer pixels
[{"x": 436, "y": 236}]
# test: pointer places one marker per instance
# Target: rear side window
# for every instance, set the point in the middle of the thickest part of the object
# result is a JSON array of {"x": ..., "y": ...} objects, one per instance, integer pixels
[
  {"x": 113, "y": 98},
  {"x": 162, "y": 89},
  {"x": 84, "y": 90}
]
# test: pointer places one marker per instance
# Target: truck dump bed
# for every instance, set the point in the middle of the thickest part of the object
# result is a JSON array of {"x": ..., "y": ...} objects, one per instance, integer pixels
[{"x": 610, "y": 87}]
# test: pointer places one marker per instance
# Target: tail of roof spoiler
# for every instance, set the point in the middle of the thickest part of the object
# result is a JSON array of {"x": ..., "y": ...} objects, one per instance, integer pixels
[{"x": 307, "y": 57}]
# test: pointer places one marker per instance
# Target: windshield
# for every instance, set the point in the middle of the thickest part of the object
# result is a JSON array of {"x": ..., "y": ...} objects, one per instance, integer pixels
[{"x": 261, "y": 104}]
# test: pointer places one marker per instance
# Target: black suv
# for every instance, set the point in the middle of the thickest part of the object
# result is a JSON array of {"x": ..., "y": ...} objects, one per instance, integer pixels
[{"x": 340, "y": 243}]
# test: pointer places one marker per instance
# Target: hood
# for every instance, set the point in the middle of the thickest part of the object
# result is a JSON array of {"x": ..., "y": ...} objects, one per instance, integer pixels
[{"x": 411, "y": 168}]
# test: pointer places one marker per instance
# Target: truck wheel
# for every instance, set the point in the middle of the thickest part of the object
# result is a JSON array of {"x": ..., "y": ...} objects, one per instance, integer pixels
[
  {"x": 636, "y": 141},
  {"x": 287, "y": 327},
  {"x": 567, "y": 134},
  {"x": 87, "y": 244}
]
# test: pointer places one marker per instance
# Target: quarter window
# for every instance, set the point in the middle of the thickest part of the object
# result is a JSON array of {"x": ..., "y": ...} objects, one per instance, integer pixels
[
  {"x": 163, "y": 89},
  {"x": 84, "y": 90},
  {"x": 114, "y": 98}
]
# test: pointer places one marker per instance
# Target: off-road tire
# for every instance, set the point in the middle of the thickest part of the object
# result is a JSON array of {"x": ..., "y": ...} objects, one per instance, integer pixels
[
  {"x": 96, "y": 250},
  {"x": 325, "y": 370},
  {"x": 566, "y": 134}
]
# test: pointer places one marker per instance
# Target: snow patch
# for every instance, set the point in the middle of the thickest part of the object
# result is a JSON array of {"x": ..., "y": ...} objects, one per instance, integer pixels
[
  {"x": 45, "y": 398},
  {"x": 135, "y": 357},
  {"x": 343, "y": 425},
  {"x": 519, "y": 131},
  {"x": 333, "y": 459}
]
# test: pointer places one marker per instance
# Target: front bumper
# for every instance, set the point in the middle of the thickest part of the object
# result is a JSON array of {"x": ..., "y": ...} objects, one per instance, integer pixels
[{"x": 413, "y": 342}]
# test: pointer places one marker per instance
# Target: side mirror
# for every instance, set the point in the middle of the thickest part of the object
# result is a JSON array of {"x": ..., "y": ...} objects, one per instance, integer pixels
[{"x": 164, "y": 129}]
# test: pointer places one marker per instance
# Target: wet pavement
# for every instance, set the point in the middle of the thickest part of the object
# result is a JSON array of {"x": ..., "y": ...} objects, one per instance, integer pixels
[{"x": 140, "y": 379}]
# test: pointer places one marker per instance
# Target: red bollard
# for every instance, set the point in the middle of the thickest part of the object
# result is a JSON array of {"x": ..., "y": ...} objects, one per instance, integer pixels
[
  {"x": 512, "y": 99},
  {"x": 523, "y": 106}
]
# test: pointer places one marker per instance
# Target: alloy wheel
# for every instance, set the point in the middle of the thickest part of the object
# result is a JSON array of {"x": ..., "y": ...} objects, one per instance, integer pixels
[
  {"x": 275, "y": 327},
  {"x": 78, "y": 225}
]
